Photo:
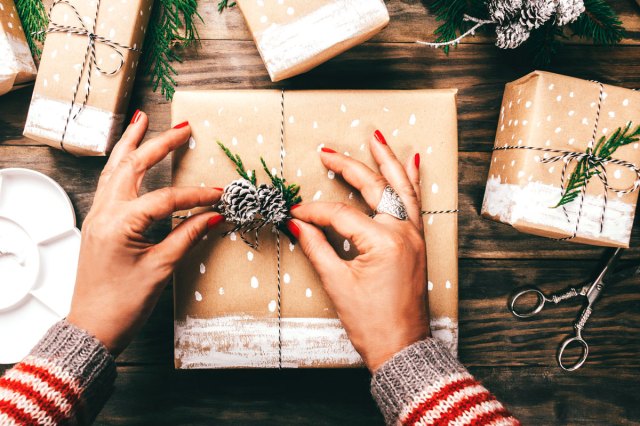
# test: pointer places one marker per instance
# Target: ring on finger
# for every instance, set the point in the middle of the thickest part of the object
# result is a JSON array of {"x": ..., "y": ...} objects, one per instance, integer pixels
[{"x": 392, "y": 204}]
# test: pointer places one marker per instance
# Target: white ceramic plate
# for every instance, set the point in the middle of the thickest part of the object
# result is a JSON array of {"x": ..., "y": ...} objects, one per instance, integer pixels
[{"x": 41, "y": 244}]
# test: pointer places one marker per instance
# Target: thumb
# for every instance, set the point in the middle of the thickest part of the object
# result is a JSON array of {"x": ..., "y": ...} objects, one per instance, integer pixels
[
  {"x": 185, "y": 236},
  {"x": 315, "y": 246}
]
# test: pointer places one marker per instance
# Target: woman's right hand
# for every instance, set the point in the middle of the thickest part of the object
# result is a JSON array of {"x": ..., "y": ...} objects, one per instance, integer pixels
[{"x": 380, "y": 296}]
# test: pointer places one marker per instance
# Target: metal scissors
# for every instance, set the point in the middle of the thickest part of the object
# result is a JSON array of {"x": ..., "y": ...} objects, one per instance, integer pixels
[{"x": 591, "y": 291}]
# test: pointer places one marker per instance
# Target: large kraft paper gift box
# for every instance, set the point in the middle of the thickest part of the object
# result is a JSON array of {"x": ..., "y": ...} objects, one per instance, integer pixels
[
  {"x": 295, "y": 36},
  {"x": 16, "y": 64},
  {"x": 553, "y": 116},
  {"x": 60, "y": 114},
  {"x": 226, "y": 294}
]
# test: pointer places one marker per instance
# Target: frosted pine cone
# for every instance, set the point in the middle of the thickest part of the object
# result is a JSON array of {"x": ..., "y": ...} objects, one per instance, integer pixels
[
  {"x": 504, "y": 11},
  {"x": 239, "y": 202},
  {"x": 273, "y": 206},
  {"x": 511, "y": 36},
  {"x": 536, "y": 12},
  {"x": 568, "y": 11}
]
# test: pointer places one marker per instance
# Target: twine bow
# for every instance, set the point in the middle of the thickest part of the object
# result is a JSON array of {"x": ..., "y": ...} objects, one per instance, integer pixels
[
  {"x": 593, "y": 162},
  {"x": 90, "y": 61}
]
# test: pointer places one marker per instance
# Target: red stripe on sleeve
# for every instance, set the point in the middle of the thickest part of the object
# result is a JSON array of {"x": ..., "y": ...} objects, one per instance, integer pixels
[
  {"x": 488, "y": 418},
  {"x": 44, "y": 403},
  {"x": 16, "y": 413},
  {"x": 66, "y": 390},
  {"x": 463, "y": 406},
  {"x": 443, "y": 393}
]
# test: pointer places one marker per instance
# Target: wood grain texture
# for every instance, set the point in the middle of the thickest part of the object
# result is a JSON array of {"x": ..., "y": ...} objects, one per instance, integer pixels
[{"x": 515, "y": 359}]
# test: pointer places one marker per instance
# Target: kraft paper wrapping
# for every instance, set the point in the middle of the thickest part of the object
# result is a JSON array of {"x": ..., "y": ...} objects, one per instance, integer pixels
[
  {"x": 554, "y": 111},
  {"x": 97, "y": 127},
  {"x": 16, "y": 64},
  {"x": 226, "y": 293},
  {"x": 296, "y": 36}
]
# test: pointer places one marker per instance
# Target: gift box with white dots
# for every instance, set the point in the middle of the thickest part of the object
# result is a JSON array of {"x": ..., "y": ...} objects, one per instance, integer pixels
[
  {"x": 86, "y": 74},
  {"x": 16, "y": 64},
  {"x": 294, "y": 36},
  {"x": 227, "y": 310},
  {"x": 565, "y": 161}
]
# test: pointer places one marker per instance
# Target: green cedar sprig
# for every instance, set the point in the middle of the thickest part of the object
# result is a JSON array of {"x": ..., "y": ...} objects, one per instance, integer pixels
[
  {"x": 239, "y": 165},
  {"x": 586, "y": 169},
  {"x": 224, "y": 4},
  {"x": 289, "y": 192},
  {"x": 172, "y": 23},
  {"x": 34, "y": 19}
]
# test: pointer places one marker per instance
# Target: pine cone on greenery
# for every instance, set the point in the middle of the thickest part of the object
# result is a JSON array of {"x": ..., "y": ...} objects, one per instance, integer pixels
[
  {"x": 512, "y": 35},
  {"x": 239, "y": 202},
  {"x": 504, "y": 11},
  {"x": 273, "y": 206},
  {"x": 536, "y": 13},
  {"x": 568, "y": 11}
]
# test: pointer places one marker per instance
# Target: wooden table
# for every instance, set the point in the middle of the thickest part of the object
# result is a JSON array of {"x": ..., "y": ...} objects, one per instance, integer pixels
[{"x": 514, "y": 359}]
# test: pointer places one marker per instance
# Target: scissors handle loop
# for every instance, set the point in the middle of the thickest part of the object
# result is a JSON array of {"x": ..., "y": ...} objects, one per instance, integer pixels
[
  {"x": 583, "y": 356},
  {"x": 537, "y": 307}
]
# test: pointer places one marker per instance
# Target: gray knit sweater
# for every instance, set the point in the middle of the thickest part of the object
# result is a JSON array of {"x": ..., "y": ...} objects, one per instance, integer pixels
[{"x": 69, "y": 375}]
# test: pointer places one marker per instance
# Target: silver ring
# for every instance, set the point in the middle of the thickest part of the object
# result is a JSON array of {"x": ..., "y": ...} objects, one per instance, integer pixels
[{"x": 391, "y": 204}]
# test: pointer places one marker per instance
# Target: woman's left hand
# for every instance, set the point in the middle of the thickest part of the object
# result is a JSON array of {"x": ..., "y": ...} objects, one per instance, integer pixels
[{"x": 120, "y": 273}]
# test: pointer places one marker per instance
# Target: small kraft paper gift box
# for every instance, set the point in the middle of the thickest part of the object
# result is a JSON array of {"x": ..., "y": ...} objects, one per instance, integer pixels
[
  {"x": 228, "y": 313},
  {"x": 86, "y": 74},
  {"x": 16, "y": 63},
  {"x": 565, "y": 160},
  {"x": 298, "y": 35}
]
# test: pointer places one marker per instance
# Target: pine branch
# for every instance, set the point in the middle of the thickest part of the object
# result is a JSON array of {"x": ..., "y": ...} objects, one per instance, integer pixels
[
  {"x": 225, "y": 4},
  {"x": 172, "y": 23},
  {"x": 544, "y": 44},
  {"x": 599, "y": 22},
  {"x": 239, "y": 165},
  {"x": 34, "y": 22},
  {"x": 587, "y": 168}
]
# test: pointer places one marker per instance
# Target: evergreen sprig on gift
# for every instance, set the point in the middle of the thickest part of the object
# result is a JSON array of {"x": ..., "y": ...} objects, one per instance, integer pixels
[
  {"x": 34, "y": 20},
  {"x": 240, "y": 169},
  {"x": 172, "y": 25},
  {"x": 289, "y": 192},
  {"x": 537, "y": 25},
  {"x": 587, "y": 167}
]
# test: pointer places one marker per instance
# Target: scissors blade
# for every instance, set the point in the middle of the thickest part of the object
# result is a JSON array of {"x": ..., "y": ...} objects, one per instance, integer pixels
[{"x": 592, "y": 290}]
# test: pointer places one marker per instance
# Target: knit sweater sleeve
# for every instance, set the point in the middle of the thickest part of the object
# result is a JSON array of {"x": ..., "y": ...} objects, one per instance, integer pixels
[
  {"x": 425, "y": 385},
  {"x": 66, "y": 379}
]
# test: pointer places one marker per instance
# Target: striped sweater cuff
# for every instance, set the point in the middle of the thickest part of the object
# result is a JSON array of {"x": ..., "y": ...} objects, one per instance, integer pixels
[
  {"x": 425, "y": 385},
  {"x": 67, "y": 378}
]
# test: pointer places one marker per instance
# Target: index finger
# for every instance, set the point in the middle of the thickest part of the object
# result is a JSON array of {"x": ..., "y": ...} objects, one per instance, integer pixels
[
  {"x": 127, "y": 177},
  {"x": 347, "y": 221}
]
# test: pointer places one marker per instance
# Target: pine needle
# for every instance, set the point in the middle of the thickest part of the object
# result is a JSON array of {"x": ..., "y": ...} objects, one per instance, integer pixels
[
  {"x": 240, "y": 169},
  {"x": 599, "y": 22},
  {"x": 34, "y": 21},
  {"x": 587, "y": 168},
  {"x": 224, "y": 4}
]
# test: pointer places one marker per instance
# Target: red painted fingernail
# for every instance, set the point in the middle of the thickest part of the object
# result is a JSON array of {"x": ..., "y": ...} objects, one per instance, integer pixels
[
  {"x": 379, "y": 137},
  {"x": 295, "y": 206},
  {"x": 327, "y": 150},
  {"x": 181, "y": 125},
  {"x": 215, "y": 220},
  {"x": 416, "y": 160},
  {"x": 136, "y": 117},
  {"x": 293, "y": 228},
  {"x": 218, "y": 188}
]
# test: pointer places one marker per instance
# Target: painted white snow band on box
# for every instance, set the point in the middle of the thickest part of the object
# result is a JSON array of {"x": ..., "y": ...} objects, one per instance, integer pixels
[
  {"x": 93, "y": 130},
  {"x": 15, "y": 58},
  {"x": 284, "y": 46},
  {"x": 244, "y": 341},
  {"x": 533, "y": 203},
  {"x": 446, "y": 331}
]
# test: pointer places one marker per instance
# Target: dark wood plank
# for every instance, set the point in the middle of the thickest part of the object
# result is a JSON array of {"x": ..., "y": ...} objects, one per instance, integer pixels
[
  {"x": 537, "y": 396},
  {"x": 478, "y": 71},
  {"x": 410, "y": 21}
]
